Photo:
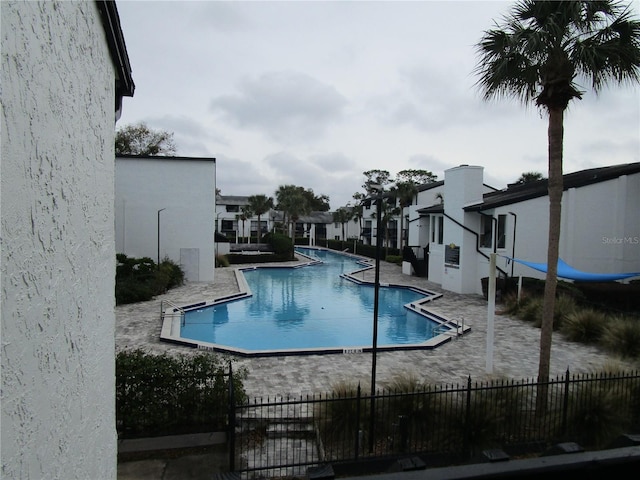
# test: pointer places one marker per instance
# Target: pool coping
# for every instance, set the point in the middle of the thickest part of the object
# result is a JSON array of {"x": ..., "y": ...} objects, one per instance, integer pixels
[{"x": 173, "y": 315}]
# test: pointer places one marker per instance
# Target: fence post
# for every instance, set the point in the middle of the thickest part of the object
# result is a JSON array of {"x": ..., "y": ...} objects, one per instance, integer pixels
[
  {"x": 232, "y": 422},
  {"x": 565, "y": 404},
  {"x": 357, "y": 422},
  {"x": 467, "y": 420}
]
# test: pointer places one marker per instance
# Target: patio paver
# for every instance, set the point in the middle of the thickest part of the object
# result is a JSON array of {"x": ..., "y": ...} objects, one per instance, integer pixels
[{"x": 515, "y": 345}]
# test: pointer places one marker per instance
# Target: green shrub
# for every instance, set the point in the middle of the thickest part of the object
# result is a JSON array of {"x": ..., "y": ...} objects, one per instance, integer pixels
[
  {"x": 565, "y": 305},
  {"x": 174, "y": 273},
  {"x": 511, "y": 305},
  {"x": 131, "y": 290},
  {"x": 397, "y": 259},
  {"x": 622, "y": 336},
  {"x": 240, "y": 259},
  {"x": 584, "y": 325},
  {"x": 408, "y": 411},
  {"x": 596, "y": 414},
  {"x": 341, "y": 416},
  {"x": 491, "y": 412},
  {"x": 222, "y": 261},
  {"x": 164, "y": 395},
  {"x": 140, "y": 279},
  {"x": 531, "y": 311},
  {"x": 281, "y": 244}
]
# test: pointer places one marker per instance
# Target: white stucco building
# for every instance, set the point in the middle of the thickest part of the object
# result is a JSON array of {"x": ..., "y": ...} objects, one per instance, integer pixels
[
  {"x": 164, "y": 207},
  {"x": 600, "y": 230},
  {"x": 65, "y": 70},
  {"x": 316, "y": 227}
]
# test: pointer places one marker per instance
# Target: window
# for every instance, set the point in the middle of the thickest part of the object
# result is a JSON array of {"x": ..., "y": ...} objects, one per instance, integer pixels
[
  {"x": 437, "y": 229},
  {"x": 233, "y": 208},
  {"x": 433, "y": 229},
  {"x": 502, "y": 229},
  {"x": 486, "y": 224},
  {"x": 228, "y": 226}
]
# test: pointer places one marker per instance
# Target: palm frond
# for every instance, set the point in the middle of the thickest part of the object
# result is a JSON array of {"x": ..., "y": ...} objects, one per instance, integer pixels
[{"x": 542, "y": 46}]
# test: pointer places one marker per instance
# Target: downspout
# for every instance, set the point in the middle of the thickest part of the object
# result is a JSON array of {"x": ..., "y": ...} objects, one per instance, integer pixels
[
  {"x": 477, "y": 241},
  {"x": 513, "y": 245}
]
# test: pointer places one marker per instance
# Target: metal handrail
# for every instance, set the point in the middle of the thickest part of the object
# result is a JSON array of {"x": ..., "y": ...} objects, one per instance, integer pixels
[
  {"x": 447, "y": 327},
  {"x": 175, "y": 307}
]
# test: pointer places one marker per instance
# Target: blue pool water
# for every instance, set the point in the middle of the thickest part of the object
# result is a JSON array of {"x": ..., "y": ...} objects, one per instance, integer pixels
[{"x": 310, "y": 307}]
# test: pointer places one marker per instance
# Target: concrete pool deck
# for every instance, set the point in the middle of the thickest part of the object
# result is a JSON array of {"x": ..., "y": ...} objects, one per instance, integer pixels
[{"x": 515, "y": 347}]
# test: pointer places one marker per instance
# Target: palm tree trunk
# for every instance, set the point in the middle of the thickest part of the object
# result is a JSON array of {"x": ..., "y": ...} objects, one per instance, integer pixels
[
  {"x": 555, "y": 188},
  {"x": 401, "y": 228}
]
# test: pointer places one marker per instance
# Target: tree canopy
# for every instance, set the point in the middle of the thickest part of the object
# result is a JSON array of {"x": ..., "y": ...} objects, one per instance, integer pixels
[
  {"x": 527, "y": 177},
  {"x": 259, "y": 205},
  {"x": 295, "y": 202},
  {"x": 139, "y": 139}
]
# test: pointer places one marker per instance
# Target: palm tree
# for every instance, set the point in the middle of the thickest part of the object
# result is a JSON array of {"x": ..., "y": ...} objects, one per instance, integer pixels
[
  {"x": 342, "y": 216},
  {"x": 358, "y": 209},
  {"x": 528, "y": 177},
  {"x": 244, "y": 215},
  {"x": 537, "y": 55},
  {"x": 387, "y": 213},
  {"x": 405, "y": 192},
  {"x": 260, "y": 204},
  {"x": 292, "y": 202}
]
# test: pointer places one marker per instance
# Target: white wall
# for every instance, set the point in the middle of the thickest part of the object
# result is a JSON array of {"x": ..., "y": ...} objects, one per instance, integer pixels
[
  {"x": 531, "y": 223},
  {"x": 599, "y": 233},
  {"x": 600, "y": 229},
  {"x": 463, "y": 186},
  {"x": 185, "y": 189},
  {"x": 58, "y": 270}
]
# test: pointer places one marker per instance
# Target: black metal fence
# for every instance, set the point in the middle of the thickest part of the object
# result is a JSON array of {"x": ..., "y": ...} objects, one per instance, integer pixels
[{"x": 280, "y": 437}]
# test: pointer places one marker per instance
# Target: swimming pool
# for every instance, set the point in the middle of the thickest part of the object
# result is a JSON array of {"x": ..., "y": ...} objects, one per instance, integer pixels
[{"x": 320, "y": 307}]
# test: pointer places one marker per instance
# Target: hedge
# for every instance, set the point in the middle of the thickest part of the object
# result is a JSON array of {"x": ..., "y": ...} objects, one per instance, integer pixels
[{"x": 164, "y": 395}]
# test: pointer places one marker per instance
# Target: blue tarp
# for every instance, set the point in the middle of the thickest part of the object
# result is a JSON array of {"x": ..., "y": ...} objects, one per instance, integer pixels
[{"x": 570, "y": 273}]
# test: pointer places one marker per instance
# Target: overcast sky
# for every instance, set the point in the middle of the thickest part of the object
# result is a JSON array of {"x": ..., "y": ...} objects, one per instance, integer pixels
[{"x": 315, "y": 93}]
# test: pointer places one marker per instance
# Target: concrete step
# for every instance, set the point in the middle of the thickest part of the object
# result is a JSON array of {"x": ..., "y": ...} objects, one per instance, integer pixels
[{"x": 290, "y": 430}]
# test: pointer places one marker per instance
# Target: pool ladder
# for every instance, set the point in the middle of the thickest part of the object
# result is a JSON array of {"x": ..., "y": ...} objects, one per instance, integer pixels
[
  {"x": 451, "y": 328},
  {"x": 175, "y": 308}
]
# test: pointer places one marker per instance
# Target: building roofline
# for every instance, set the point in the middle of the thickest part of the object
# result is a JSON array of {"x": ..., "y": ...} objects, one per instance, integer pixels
[
  {"x": 428, "y": 186},
  {"x": 439, "y": 208},
  {"x": 527, "y": 191},
  {"x": 232, "y": 199},
  {"x": 115, "y": 38},
  {"x": 164, "y": 157}
]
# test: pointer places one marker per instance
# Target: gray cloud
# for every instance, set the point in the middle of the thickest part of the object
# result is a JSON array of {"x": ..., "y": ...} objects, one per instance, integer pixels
[
  {"x": 189, "y": 134},
  {"x": 431, "y": 163},
  {"x": 287, "y": 106},
  {"x": 179, "y": 124},
  {"x": 224, "y": 17},
  {"x": 335, "y": 163},
  {"x": 239, "y": 177},
  {"x": 384, "y": 84}
]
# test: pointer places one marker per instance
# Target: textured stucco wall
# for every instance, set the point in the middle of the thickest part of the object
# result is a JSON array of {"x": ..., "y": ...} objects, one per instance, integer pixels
[
  {"x": 57, "y": 175},
  {"x": 185, "y": 189}
]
